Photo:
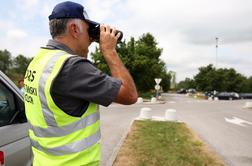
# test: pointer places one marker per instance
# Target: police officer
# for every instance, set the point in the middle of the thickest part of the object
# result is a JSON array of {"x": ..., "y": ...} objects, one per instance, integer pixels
[{"x": 66, "y": 89}]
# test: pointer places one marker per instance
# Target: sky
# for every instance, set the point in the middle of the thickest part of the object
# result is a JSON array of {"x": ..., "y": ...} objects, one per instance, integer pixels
[{"x": 186, "y": 30}]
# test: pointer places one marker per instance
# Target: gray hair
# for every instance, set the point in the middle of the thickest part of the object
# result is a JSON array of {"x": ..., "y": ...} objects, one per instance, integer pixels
[{"x": 58, "y": 27}]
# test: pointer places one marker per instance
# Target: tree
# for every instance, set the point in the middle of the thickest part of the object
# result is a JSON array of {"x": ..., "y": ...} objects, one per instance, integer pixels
[
  {"x": 250, "y": 84},
  {"x": 166, "y": 81},
  {"x": 5, "y": 61},
  {"x": 14, "y": 68},
  {"x": 20, "y": 64},
  {"x": 205, "y": 78},
  {"x": 222, "y": 79},
  {"x": 233, "y": 81},
  {"x": 186, "y": 84},
  {"x": 142, "y": 59}
]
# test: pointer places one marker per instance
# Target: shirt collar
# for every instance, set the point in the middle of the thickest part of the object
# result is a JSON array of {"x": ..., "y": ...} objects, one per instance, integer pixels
[{"x": 53, "y": 44}]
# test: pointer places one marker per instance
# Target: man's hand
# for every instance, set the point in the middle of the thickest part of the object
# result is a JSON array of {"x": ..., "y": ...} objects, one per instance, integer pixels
[{"x": 108, "y": 39}]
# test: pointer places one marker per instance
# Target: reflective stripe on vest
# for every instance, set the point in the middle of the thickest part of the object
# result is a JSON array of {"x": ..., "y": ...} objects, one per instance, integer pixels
[
  {"x": 53, "y": 130},
  {"x": 48, "y": 115},
  {"x": 61, "y": 131},
  {"x": 74, "y": 147}
]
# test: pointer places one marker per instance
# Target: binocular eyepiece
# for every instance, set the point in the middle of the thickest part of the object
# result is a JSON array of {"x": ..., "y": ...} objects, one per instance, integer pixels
[{"x": 94, "y": 32}]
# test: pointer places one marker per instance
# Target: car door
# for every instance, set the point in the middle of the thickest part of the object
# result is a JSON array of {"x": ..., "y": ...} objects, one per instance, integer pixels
[{"x": 15, "y": 149}]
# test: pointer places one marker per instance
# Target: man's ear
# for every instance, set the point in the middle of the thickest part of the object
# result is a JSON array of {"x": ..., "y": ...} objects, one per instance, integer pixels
[{"x": 73, "y": 30}]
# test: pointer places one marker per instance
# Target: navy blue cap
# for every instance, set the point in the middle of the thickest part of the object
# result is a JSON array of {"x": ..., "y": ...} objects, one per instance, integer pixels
[{"x": 70, "y": 9}]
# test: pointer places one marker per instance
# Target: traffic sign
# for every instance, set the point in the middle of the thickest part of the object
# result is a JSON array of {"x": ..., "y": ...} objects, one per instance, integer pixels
[
  {"x": 158, "y": 80},
  {"x": 157, "y": 87}
]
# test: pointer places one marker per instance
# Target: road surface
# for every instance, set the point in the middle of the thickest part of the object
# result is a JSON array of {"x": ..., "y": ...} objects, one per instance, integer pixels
[{"x": 225, "y": 126}]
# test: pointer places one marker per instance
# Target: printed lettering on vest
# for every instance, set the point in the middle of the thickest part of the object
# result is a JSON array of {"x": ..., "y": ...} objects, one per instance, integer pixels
[{"x": 29, "y": 91}]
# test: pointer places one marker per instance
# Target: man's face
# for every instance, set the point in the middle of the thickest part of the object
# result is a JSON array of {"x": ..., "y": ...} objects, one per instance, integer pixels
[
  {"x": 21, "y": 84},
  {"x": 84, "y": 39}
]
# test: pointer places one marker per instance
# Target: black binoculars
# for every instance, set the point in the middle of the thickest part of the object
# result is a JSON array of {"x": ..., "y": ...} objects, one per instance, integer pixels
[{"x": 94, "y": 32}]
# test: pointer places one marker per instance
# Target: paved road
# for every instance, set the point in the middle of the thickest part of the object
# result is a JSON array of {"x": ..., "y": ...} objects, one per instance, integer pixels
[{"x": 224, "y": 125}]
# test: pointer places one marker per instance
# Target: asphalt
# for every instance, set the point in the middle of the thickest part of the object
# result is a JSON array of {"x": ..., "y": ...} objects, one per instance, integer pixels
[{"x": 223, "y": 125}]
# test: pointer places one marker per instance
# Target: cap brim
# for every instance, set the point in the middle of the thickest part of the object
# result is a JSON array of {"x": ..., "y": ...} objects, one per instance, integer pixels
[{"x": 92, "y": 22}]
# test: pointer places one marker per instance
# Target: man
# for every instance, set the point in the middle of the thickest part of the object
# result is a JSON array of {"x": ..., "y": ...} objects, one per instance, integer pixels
[
  {"x": 64, "y": 89},
  {"x": 21, "y": 86}
]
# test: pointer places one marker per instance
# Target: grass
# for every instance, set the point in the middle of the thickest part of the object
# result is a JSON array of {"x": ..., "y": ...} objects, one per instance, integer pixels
[
  {"x": 152, "y": 143},
  {"x": 147, "y": 95}
]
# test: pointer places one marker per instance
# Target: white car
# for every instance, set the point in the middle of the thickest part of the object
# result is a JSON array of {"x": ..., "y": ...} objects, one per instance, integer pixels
[{"x": 15, "y": 148}]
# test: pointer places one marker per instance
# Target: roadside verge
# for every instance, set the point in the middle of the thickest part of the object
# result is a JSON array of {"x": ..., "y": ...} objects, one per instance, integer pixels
[{"x": 162, "y": 143}]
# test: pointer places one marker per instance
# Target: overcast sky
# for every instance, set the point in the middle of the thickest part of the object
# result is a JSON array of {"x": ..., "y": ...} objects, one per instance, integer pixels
[{"x": 185, "y": 29}]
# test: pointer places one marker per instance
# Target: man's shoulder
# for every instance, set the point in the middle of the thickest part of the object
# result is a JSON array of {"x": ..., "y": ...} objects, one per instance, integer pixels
[
  {"x": 73, "y": 59},
  {"x": 80, "y": 65},
  {"x": 76, "y": 61}
]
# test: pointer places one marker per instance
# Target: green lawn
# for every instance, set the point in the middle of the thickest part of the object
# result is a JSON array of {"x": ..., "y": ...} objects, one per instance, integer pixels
[{"x": 152, "y": 143}]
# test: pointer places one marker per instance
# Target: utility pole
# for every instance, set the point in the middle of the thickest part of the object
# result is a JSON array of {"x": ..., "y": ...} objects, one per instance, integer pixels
[{"x": 216, "y": 62}]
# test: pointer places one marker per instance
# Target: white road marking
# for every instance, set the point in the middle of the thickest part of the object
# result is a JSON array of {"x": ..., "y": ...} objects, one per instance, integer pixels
[
  {"x": 196, "y": 101},
  {"x": 238, "y": 121}
]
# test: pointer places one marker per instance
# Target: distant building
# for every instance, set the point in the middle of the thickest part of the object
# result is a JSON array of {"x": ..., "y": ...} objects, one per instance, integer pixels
[{"x": 173, "y": 80}]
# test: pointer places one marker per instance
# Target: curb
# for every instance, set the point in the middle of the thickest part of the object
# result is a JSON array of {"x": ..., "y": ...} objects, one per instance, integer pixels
[{"x": 112, "y": 158}]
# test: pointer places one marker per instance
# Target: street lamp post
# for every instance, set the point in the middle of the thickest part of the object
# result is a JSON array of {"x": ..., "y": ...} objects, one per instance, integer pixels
[{"x": 216, "y": 62}]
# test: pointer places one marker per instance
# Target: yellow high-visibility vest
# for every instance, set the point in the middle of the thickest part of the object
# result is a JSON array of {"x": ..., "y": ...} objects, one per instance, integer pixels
[{"x": 57, "y": 138}]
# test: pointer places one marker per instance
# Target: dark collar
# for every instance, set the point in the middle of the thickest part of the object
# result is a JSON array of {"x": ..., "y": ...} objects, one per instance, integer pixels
[{"x": 53, "y": 44}]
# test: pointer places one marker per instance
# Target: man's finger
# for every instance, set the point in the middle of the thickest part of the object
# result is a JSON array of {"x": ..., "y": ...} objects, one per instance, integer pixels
[
  {"x": 108, "y": 29},
  {"x": 113, "y": 31},
  {"x": 118, "y": 35},
  {"x": 102, "y": 28}
]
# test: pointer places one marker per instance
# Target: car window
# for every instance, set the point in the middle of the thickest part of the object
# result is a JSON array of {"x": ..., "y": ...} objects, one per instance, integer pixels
[{"x": 7, "y": 105}]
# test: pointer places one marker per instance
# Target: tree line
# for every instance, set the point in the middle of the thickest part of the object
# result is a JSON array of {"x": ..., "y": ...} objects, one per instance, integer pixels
[
  {"x": 141, "y": 57},
  {"x": 210, "y": 78}
]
